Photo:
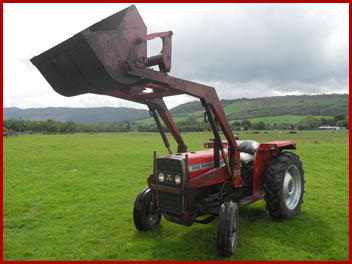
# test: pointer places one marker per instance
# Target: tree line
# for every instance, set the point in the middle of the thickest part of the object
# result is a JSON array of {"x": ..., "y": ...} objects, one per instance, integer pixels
[
  {"x": 52, "y": 126},
  {"x": 309, "y": 122},
  {"x": 190, "y": 124}
]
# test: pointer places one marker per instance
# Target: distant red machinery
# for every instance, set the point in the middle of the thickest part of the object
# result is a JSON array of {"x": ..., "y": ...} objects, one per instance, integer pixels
[{"x": 110, "y": 58}]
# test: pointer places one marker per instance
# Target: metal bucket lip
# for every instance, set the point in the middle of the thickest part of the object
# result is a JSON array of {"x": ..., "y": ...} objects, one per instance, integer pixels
[{"x": 58, "y": 49}]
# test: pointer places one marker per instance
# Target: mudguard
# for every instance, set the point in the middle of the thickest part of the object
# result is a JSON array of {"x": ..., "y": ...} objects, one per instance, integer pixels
[{"x": 264, "y": 154}]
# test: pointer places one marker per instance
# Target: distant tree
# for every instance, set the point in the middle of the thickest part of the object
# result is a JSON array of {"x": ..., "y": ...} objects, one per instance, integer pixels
[
  {"x": 246, "y": 123},
  {"x": 147, "y": 128},
  {"x": 236, "y": 125},
  {"x": 284, "y": 125},
  {"x": 87, "y": 128},
  {"x": 28, "y": 125},
  {"x": 309, "y": 122},
  {"x": 41, "y": 126},
  {"x": 323, "y": 121},
  {"x": 69, "y": 126},
  {"x": 259, "y": 125},
  {"x": 331, "y": 122},
  {"x": 342, "y": 123},
  {"x": 12, "y": 124},
  {"x": 101, "y": 127},
  {"x": 52, "y": 126},
  {"x": 191, "y": 124},
  {"x": 113, "y": 126},
  {"x": 339, "y": 117},
  {"x": 124, "y": 126}
]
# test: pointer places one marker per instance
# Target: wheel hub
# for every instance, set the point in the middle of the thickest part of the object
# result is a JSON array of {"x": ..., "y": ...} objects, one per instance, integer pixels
[
  {"x": 151, "y": 213},
  {"x": 290, "y": 186}
]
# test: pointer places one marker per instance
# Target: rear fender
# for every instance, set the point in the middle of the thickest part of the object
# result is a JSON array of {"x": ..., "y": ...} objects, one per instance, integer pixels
[{"x": 265, "y": 153}]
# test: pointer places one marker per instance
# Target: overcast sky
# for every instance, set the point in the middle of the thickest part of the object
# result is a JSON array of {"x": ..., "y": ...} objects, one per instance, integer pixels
[{"x": 243, "y": 50}]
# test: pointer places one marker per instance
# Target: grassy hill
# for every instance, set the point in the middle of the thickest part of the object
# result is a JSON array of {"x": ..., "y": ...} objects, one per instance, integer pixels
[
  {"x": 78, "y": 115},
  {"x": 276, "y": 109},
  {"x": 279, "y": 109}
]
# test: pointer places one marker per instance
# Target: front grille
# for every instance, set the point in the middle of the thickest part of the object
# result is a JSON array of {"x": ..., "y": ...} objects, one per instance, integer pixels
[
  {"x": 170, "y": 202},
  {"x": 170, "y": 167},
  {"x": 169, "y": 164}
]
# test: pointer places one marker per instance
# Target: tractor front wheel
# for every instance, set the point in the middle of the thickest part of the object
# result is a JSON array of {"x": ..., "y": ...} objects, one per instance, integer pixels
[
  {"x": 227, "y": 235},
  {"x": 145, "y": 216},
  {"x": 284, "y": 186}
]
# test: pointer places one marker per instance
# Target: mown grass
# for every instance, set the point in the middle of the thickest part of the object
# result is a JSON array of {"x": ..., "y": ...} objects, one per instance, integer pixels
[{"x": 70, "y": 197}]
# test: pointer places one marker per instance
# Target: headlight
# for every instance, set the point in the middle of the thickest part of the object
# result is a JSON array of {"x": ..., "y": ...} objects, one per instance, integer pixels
[
  {"x": 177, "y": 179},
  {"x": 161, "y": 177}
]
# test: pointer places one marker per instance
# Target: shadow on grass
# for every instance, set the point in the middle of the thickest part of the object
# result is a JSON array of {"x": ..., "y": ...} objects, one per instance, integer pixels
[{"x": 258, "y": 234}]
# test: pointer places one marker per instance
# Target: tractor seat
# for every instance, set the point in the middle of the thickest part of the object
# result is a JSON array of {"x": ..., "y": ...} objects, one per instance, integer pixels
[
  {"x": 246, "y": 158},
  {"x": 247, "y": 146},
  {"x": 247, "y": 150}
]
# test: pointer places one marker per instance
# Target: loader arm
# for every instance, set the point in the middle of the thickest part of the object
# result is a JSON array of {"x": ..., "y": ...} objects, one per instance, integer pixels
[
  {"x": 110, "y": 58},
  {"x": 162, "y": 85},
  {"x": 206, "y": 94}
]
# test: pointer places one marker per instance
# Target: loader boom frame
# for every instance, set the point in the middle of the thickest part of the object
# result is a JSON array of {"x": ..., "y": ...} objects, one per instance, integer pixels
[
  {"x": 164, "y": 85},
  {"x": 161, "y": 84}
]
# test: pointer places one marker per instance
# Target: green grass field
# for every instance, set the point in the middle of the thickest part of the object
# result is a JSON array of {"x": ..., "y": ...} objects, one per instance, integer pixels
[
  {"x": 70, "y": 197},
  {"x": 291, "y": 119}
]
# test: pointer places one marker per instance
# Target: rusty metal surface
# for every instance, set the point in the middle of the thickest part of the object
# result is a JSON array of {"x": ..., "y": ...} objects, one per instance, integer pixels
[
  {"x": 264, "y": 154},
  {"x": 159, "y": 105},
  {"x": 163, "y": 59},
  {"x": 214, "y": 176},
  {"x": 161, "y": 130},
  {"x": 92, "y": 61},
  {"x": 163, "y": 188}
]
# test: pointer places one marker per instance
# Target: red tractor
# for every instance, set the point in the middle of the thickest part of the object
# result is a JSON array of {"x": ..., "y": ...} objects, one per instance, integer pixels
[{"x": 110, "y": 58}]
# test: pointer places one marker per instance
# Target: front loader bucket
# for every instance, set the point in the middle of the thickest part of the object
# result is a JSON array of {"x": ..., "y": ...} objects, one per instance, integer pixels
[{"x": 93, "y": 60}]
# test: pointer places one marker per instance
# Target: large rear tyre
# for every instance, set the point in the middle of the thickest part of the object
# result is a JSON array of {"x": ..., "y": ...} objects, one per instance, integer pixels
[
  {"x": 227, "y": 235},
  {"x": 144, "y": 215},
  {"x": 284, "y": 186}
]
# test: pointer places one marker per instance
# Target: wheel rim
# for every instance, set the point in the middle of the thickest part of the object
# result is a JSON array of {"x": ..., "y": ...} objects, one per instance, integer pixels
[
  {"x": 292, "y": 187},
  {"x": 233, "y": 233},
  {"x": 151, "y": 214}
]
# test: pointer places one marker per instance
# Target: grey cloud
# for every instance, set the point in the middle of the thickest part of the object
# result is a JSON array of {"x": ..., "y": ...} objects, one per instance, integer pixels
[
  {"x": 274, "y": 44},
  {"x": 243, "y": 50}
]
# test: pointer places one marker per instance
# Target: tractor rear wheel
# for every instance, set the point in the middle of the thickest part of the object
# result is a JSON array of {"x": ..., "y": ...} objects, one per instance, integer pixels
[
  {"x": 227, "y": 235},
  {"x": 284, "y": 186},
  {"x": 145, "y": 216}
]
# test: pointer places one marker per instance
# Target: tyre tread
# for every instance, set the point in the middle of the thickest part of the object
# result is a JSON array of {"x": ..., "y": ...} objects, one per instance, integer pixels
[
  {"x": 274, "y": 178},
  {"x": 138, "y": 212}
]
